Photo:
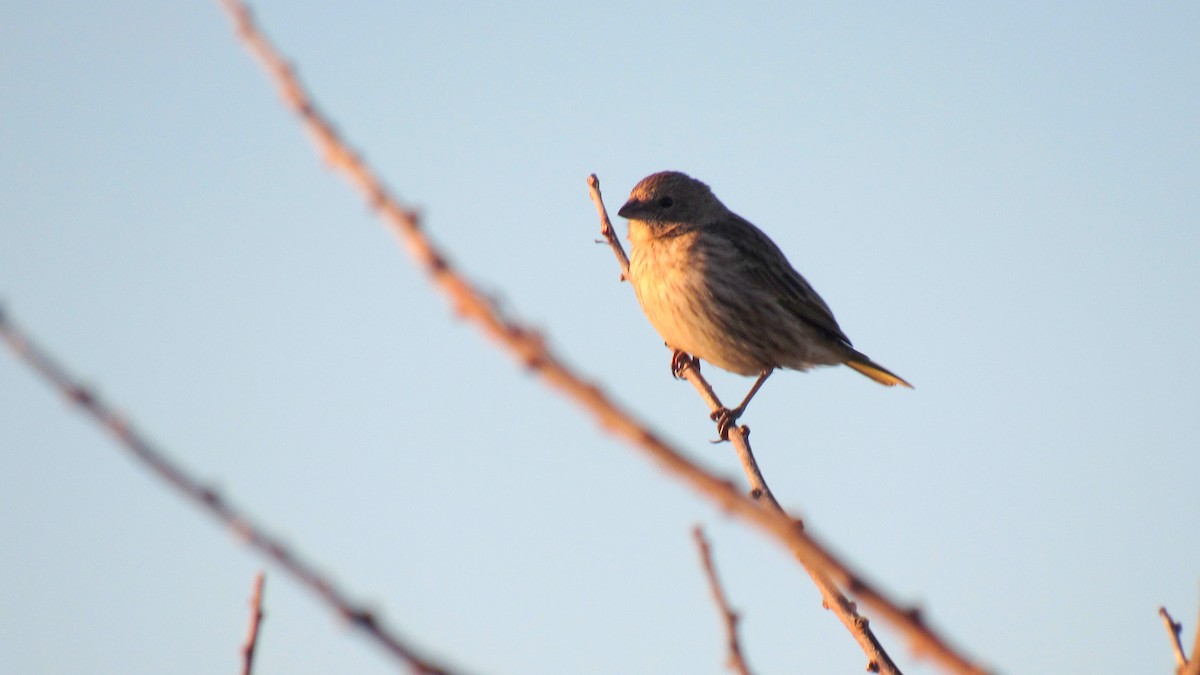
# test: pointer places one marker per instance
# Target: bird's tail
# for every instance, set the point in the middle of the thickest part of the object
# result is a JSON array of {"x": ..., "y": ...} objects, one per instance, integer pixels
[{"x": 866, "y": 366}]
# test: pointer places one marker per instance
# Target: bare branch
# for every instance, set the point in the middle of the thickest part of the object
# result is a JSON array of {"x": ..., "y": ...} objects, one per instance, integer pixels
[
  {"x": 878, "y": 660},
  {"x": 207, "y": 498},
  {"x": 737, "y": 662},
  {"x": 529, "y": 347},
  {"x": 739, "y": 436},
  {"x": 256, "y": 617}
]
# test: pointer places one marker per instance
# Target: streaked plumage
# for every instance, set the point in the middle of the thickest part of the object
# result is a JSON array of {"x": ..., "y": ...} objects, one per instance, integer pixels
[{"x": 715, "y": 286}]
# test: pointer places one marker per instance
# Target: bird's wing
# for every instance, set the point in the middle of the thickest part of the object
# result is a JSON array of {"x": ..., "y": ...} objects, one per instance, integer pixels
[{"x": 767, "y": 265}]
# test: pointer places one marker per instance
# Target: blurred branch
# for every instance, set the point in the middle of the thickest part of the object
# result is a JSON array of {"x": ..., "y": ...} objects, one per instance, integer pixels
[
  {"x": 207, "y": 498},
  {"x": 529, "y": 348},
  {"x": 256, "y": 617},
  {"x": 737, "y": 662}
]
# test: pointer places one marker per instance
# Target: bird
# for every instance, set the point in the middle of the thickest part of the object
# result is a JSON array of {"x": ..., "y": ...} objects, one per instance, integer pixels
[{"x": 717, "y": 288}]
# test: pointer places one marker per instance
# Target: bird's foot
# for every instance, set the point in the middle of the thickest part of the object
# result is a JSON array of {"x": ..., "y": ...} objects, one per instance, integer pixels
[
  {"x": 681, "y": 361},
  {"x": 725, "y": 419}
]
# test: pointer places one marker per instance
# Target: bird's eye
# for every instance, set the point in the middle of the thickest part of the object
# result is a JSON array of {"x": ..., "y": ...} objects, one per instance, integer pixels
[{"x": 666, "y": 202}]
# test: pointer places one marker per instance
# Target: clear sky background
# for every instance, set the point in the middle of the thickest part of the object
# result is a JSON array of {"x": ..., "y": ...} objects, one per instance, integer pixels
[{"x": 1000, "y": 202}]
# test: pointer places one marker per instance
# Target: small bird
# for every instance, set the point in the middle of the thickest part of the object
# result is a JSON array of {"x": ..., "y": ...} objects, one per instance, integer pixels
[{"x": 716, "y": 287}]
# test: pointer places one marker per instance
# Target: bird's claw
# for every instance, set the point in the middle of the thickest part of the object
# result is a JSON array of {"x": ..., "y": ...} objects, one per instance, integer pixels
[
  {"x": 680, "y": 361},
  {"x": 725, "y": 419}
]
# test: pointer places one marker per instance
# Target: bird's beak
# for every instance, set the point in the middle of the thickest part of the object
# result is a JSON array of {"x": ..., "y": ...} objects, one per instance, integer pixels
[{"x": 631, "y": 209}]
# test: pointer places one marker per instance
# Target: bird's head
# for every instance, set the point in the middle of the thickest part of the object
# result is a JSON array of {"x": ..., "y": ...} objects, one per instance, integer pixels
[{"x": 672, "y": 197}]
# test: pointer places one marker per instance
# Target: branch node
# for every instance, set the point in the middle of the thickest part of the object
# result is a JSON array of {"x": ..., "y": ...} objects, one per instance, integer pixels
[
  {"x": 363, "y": 619},
  {"x": 210, "y": 497},
  {"x": 854, "y": 585},
  {"x": 80, "y": 396}
]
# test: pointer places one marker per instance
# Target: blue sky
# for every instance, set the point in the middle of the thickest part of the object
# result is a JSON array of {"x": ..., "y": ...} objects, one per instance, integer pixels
[{"x": 998, "y": 200}]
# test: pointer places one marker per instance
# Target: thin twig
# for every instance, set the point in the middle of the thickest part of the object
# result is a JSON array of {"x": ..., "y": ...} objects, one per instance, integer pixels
[
  {"x": 528, "y": 346},
  {"x": 739, "y": 435},
  {"x": 1174, "y": 628},
  {"x": 207, "y": 498},
  {"x": 878, "y": 660},
  {"x": 737, "y": 661},
  {"x": 606, "y": 226},
  {"x": 256, "y": 617}
]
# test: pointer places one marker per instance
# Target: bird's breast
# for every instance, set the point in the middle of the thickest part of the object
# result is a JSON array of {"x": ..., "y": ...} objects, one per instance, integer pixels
[{"x": 673, "y": 281}]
